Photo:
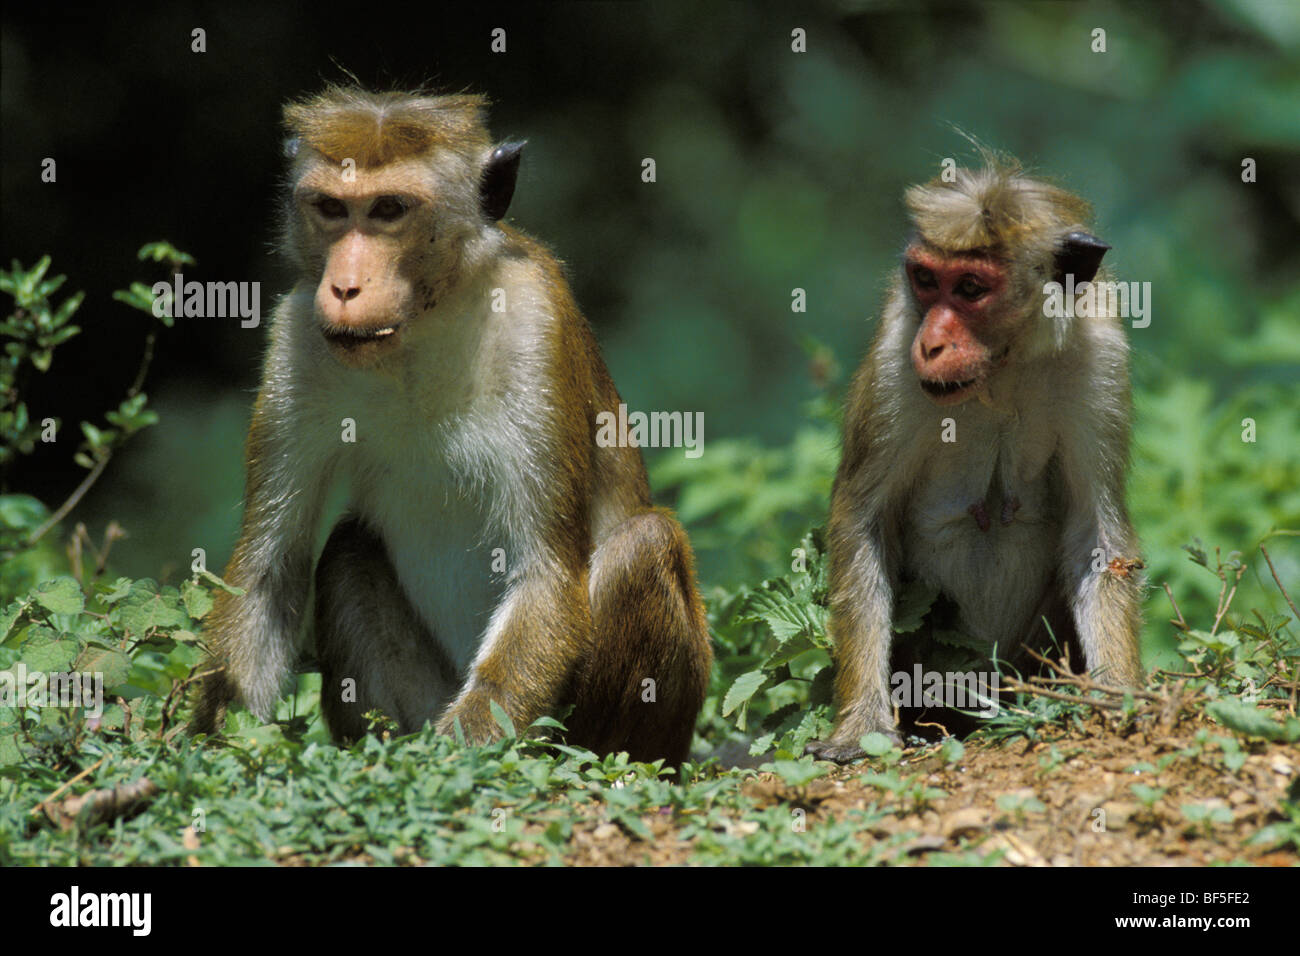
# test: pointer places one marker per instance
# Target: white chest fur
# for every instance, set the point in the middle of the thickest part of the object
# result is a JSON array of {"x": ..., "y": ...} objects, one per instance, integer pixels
[
  {"x": 438, "y": 535},
  {"x": 989, "y": 505},
  {"x": 442, "y": 451}
]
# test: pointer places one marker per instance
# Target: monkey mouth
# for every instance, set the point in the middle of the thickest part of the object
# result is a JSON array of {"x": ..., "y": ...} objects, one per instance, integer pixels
[
  {"x": 945, "y": 392},
  {"x": 350, "y": 336}
]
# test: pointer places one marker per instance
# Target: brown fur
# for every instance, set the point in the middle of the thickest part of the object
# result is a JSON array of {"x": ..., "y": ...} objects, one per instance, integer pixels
[
  {"x": 602, "y": 596},
  {"x": 376, "y": 129},
  {"x": 1048, "y": 421}
]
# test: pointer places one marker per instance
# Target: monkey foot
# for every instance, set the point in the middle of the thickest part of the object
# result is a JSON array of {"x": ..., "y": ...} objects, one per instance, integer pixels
[
  {"x": 981, "y": 515},
  {"x": 834, "y": 752},
  {"x": 844, "y": 751}
]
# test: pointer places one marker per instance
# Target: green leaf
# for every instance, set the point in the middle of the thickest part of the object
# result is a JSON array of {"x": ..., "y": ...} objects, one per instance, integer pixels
[
  {"x": 8, "y": 616},
  {"x": 198, "y": 601},
  {"x": 876, "y": 744},
  {"x": 118, "y": 590},
  {"x": 146, "y": 608},
  {"x": 49, "y": 656},
  {"x": 889, "y": 781},
  {"x": 164, "y": 251},
  {"x": 214, "y": 579},
  {"x": 632, "y": 822},
  {"x": 139, "y": 296},
  {"x": 1245, "y": 719},
  {"x": 502, "y": 718},
  {"x": 742, "y": 689},
  {"x": 800, "y": 772},
  {"x": 537, "y": 773},
  {"x": 788, "y": 651},
  {"x": 60, "y": 595},
  {"x": 952, "y": 750},
  {"x": 1148, "y": 795},
  {"x": 113, "y": 664}
]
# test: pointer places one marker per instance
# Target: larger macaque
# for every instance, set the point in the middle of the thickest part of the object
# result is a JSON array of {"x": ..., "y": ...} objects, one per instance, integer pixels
[
  {"x": 985, "y": 445},
  {"x": 493, "y": 551}
]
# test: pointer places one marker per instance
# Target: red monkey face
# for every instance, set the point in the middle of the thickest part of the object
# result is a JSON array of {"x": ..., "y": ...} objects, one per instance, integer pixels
[{"x": 960, "y": 298}]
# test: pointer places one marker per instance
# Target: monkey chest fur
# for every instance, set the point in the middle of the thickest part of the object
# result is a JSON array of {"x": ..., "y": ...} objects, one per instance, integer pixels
[
  {"x": 442, "y": 547},
  {"x": 433, "y": 487},
  {"x": 983, "y": 522}
]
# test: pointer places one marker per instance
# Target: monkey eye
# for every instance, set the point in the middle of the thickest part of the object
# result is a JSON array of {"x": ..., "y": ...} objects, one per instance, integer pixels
[
  {"x": 331, "y": 208},
  {"x": 923, "y": 278},
  {"x": 388, "y": 209},
  {"x": 970, "y": 289}
]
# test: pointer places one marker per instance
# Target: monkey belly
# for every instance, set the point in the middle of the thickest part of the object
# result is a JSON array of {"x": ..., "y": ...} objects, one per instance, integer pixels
[
  {"x": 997, "y": 577},
  {"x": 440, "y": 544},
  {"x": 451, "y": 585}
]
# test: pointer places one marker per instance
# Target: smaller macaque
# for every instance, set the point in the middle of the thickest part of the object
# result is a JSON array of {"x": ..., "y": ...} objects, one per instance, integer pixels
[{"x": 1020, "y": 514}]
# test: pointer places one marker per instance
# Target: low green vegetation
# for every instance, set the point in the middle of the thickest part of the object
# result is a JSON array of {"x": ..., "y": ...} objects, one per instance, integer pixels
[{"x": 124, "y": 784}]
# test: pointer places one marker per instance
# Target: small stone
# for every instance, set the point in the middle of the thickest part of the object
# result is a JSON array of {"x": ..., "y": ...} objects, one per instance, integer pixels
[{"x": 965, "y": 822}]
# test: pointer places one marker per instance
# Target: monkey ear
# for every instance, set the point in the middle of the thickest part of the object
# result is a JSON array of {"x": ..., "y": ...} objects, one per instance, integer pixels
[
  {"x": 497, "y": 186},
  {"x": 1079, "y": 254},
  {"x": 291, "y": 147}
]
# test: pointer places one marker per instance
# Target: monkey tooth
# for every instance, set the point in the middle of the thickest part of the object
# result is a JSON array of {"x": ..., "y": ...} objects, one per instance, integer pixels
[
  {"x": 345, "y": 335},
  {"x": 946, "y": 388}
]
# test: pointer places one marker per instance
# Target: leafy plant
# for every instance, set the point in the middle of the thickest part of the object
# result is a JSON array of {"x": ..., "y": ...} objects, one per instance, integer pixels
[{"x": 36, "y": 326}]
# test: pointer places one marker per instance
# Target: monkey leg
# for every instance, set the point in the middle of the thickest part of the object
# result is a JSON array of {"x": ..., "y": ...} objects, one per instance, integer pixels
[
  {"x": 210, "y": 712},
  {"x": 368, "y": 633},
  {"x": 640, "y": 686}
]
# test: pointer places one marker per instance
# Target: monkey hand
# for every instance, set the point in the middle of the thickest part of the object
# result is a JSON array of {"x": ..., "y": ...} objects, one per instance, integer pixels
[{"x": 477, "y": 722}]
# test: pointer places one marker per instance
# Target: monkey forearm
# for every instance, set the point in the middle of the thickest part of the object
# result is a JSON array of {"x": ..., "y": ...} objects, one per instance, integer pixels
[
  {"x": 543, "y": 629},
  {"x": 1104, "y": 587},
  {"x": 1106, "y": 606},
  {"x": 861, "y": 607},
  {"x": 253, "y": 635}
]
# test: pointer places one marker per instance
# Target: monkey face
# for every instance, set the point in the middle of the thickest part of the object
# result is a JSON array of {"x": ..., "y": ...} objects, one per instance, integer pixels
[
  {"x": 362, "y": 302},
  {"x": 390, "y": 241},
  {"x": 363, "y": 232},
  {"x": 960, "y": 300}
]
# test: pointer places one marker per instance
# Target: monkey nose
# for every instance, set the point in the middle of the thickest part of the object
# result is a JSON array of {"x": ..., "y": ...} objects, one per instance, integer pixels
[{"x": 343, "y": 295}]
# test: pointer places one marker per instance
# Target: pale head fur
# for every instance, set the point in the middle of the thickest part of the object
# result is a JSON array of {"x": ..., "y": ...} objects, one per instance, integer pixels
[{"x": 998, "y": 210}]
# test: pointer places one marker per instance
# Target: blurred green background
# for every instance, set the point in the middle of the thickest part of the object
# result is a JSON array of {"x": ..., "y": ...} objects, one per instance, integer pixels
[{"x": 776, "y": 170}]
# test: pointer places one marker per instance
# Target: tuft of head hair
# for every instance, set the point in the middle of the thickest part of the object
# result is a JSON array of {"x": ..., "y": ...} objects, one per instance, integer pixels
[
  {"x": 993, "y": 209},
  {"x": 375, "y": 129}
]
